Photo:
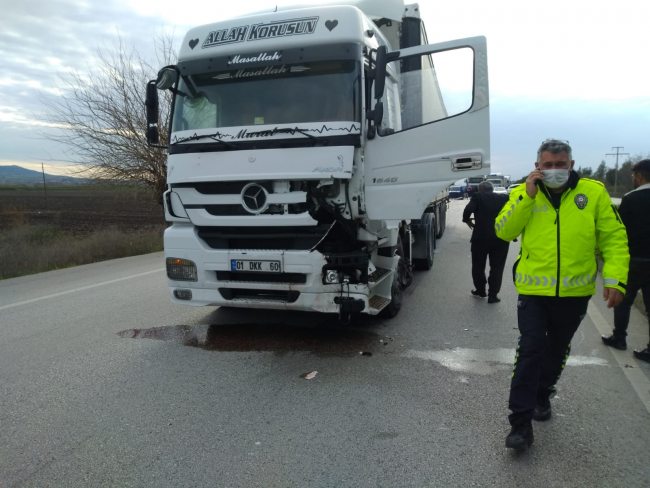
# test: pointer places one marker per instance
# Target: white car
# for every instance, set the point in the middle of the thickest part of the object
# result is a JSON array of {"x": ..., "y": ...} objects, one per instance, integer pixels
[
  {"x": 511, "y": 187},
  {"x": 500, "y": 190}
]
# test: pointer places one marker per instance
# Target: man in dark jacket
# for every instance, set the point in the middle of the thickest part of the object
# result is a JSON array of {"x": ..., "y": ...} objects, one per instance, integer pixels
[
  {"x": 486, "y": 205},
  {"x": 635, "y": 213}
]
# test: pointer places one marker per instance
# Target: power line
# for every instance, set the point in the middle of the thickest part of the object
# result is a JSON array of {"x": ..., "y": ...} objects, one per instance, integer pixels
[{"x": 617, "y": 154}]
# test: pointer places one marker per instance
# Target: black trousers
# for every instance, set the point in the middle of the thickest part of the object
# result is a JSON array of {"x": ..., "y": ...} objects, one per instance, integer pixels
[
  {"x": 638, "y": 279},
  {"x": 497, "y": 250},
  {"x": 546, "y": 326}
]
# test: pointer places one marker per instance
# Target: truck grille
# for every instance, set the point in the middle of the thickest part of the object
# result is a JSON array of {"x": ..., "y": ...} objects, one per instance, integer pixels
[
  {"x": 230, "y": 210},
  {"x": 223, "y": 187},
  {"x": 224, "y": 199},
  {"x": 271, "y": 238},
  {"x": 226, "y": 210}
]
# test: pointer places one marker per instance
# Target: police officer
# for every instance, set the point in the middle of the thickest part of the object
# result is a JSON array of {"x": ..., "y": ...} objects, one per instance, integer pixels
[{"x": 561, "y": 218}]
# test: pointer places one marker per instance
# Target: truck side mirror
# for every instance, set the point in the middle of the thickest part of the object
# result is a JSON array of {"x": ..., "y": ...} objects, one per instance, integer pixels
[
  {"x": 151, "y": 104},
  {"x": 380, "y": 71},
  {"x": 167, "y": 76}
]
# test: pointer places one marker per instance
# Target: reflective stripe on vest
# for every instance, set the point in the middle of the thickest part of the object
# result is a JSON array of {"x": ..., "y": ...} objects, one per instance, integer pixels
[
  {"x": 583, "y": 280},
  {"x": 502, "y": 222},
  {"x": 535, "y": 280}
]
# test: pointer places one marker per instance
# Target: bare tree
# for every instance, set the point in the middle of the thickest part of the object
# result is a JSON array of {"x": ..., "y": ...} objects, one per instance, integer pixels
[{"x": 100, "y": 116}]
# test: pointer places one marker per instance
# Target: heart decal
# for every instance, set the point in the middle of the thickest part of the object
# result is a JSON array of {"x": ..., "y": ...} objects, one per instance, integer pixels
[
  {"x": 193, "y": 43},
  {"x": 330, "y": 24}
]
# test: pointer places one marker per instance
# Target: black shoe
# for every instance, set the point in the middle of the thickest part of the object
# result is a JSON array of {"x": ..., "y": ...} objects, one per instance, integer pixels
[
  {"x": 480, "y": 294},
  {"x": 612, "y": 341},
  {"x": 520, "y": 437},
  {"x": 643, "y": 355},
  {"x": 493, "y": 299},
  {"x": 542, "y": 412}
]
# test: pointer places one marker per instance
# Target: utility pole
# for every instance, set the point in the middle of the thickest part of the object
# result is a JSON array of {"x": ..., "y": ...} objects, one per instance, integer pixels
[
  {"x": 617, "y": 154},
  {"x": 44, "y": 186}
]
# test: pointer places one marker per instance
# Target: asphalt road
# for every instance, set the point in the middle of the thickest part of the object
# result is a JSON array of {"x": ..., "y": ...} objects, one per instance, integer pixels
[{"x": 104, "y": 383}]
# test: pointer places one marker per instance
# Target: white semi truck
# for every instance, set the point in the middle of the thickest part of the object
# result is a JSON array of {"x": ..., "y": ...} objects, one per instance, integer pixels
[
  {"x": 497, "y": 179},
  {"x": 309, "y": 152}
]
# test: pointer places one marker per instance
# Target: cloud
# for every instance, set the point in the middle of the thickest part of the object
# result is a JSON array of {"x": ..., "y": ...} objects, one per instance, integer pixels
[
  {"x": 557, "y": 68},
  {"x": 519, "y": 125},
  {"x": 41, "y": 44}
]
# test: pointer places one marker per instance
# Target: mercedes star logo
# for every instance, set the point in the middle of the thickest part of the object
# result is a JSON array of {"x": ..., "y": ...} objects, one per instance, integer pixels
[{"x": 254, "y": 198}]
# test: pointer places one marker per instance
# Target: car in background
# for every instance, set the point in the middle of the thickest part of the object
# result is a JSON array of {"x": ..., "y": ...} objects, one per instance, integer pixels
[
  {"x": 511, "y": 187},
  {"x": 499, "y": 190},
  {"x": 457, "y": 192}
]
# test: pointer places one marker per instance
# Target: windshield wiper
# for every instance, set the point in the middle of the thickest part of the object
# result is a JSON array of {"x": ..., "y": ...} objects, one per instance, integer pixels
[
  {"x": 300, "y": 131},
  {"x": 196, "y": 137}
]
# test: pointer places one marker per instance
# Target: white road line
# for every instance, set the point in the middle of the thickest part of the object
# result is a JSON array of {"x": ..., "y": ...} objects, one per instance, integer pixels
[
  {"x": 54, "y": 295},
  {"x": 635, "y": 375}
]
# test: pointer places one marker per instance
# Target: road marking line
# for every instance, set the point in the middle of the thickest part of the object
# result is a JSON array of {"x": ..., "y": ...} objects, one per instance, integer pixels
[
  {"x": 635, "y": 375},
  {"x": 54, "y": 295}
]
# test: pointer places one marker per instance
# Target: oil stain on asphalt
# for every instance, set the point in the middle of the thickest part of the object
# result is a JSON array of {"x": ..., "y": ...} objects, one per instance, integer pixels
[{"x": 277, "y": 338}]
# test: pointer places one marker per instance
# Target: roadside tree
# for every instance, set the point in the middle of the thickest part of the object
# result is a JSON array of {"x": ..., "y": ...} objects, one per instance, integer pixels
[
  {"x": 99, "y": 117},
  {"x": 584, "y": 172},
  {"x": 600, "y": 172}
]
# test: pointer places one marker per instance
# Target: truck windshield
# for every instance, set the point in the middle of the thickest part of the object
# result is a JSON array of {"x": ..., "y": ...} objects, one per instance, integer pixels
[{"x": 324, "y": 91}]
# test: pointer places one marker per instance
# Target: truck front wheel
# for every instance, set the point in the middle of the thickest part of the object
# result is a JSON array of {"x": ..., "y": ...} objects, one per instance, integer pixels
[
  {"x": 397, "y": 288},
  {"x": 426, "y": 263},
  {"x": 442, "y": 220}
]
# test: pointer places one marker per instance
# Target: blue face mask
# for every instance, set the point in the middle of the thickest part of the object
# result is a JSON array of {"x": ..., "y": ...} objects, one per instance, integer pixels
[{"x": 555, "y": 178}]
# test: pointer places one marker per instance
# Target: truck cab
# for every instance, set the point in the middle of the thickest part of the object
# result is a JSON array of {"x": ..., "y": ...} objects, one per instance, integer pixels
[{"x": 309, "y": 153}]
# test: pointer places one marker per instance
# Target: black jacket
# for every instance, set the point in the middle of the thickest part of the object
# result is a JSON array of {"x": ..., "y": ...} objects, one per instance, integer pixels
[
  {"x": 635, "y": 213},
  {"x": 485, "y": 207}
]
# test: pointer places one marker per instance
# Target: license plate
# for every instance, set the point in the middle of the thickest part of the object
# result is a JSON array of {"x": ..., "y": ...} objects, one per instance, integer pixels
[{"x": 255, "y": 266}]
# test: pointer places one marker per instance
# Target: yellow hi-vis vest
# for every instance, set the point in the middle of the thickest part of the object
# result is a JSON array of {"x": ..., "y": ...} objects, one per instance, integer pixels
[{"x": 557, "y": 256}]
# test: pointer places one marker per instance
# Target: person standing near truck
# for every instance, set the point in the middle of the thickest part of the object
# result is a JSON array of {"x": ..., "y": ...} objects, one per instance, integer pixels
[
  {"x": 561, "y": 218},
  {"x": 485, "y": 205},
  {"x": 634, "y": 213}
]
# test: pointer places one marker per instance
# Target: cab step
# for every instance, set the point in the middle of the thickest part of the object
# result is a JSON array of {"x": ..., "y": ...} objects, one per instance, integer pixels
[
  {"x": 377, "y": 304},
  {"x": 378, "y": 276}
]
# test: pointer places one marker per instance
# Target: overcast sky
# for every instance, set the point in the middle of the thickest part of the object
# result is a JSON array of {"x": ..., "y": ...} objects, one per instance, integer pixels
[{"x": 568, "y": 69}]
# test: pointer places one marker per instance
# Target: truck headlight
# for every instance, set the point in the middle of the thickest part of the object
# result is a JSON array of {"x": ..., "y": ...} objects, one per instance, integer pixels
[
  {"x": 332, "y": 276},
  {"x": 181, "y": 270}
]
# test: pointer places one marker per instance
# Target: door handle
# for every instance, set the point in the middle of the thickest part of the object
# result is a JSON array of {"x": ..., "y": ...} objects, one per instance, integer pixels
[{"x": 466, "y": 163}]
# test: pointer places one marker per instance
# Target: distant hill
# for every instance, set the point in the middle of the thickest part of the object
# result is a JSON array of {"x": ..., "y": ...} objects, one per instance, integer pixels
[{"x": 17, "y": 175}]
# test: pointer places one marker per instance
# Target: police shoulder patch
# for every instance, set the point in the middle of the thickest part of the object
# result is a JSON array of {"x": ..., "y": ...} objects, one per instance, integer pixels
[{"x": 581, "y": 200}]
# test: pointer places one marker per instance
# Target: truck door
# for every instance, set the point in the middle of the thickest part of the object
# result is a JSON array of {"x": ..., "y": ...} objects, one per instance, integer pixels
[{"x": 442, "y": 135}]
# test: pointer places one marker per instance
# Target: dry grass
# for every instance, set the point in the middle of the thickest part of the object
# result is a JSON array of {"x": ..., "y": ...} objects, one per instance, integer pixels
[{"x": 28, "y": 249}]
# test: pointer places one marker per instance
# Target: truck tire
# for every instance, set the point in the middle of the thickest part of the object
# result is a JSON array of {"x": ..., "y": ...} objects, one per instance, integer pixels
[
  {"x": 442, "y": 220},
  {"x": 426, "y": 263},
  {"x": 396, "y": 291}
]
